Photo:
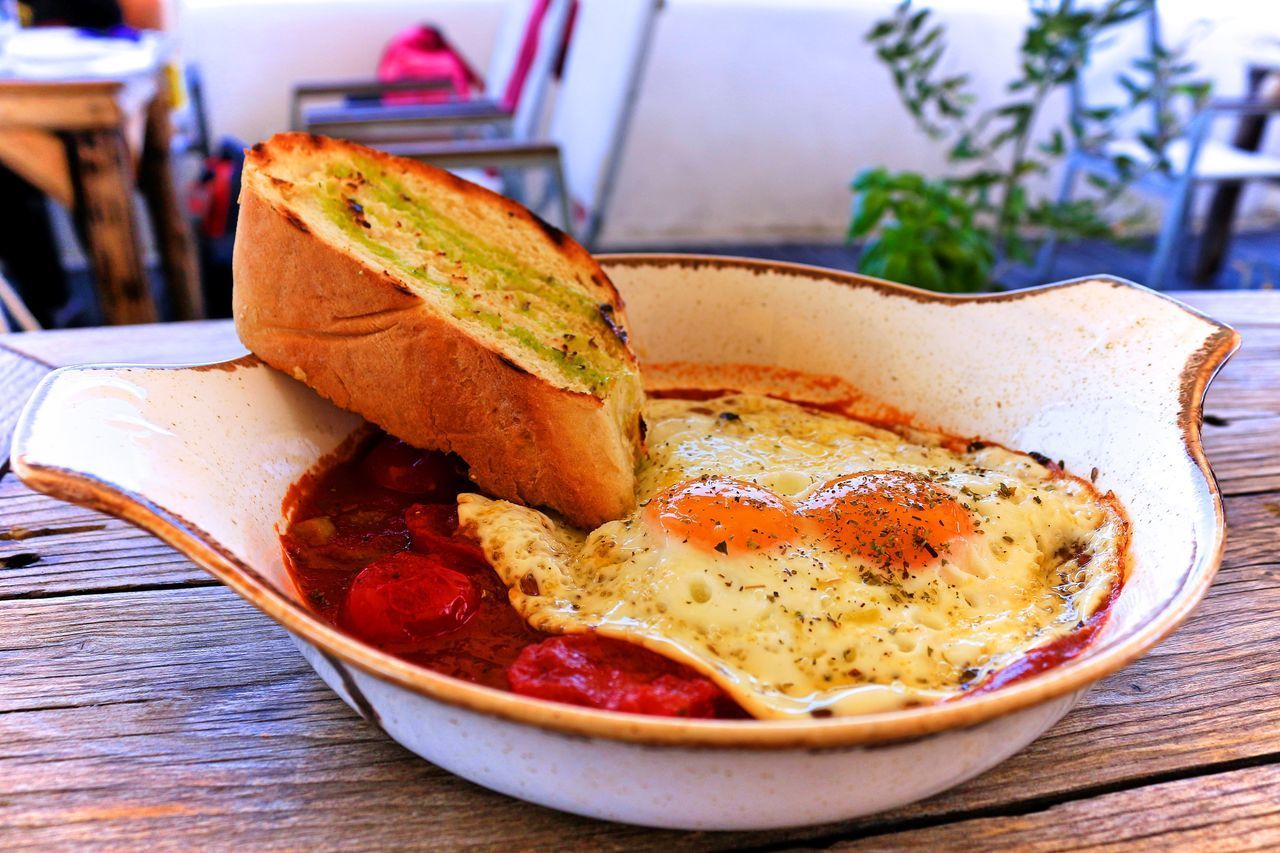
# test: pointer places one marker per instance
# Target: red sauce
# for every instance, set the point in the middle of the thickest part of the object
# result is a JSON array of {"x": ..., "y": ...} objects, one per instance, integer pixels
[
  {"x": 373, "y": 547},
  {"x": 599, "y": 672}
]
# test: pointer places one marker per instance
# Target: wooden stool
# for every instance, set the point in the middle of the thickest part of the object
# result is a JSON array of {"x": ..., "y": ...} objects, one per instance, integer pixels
[{"x": 70, "y": 139}]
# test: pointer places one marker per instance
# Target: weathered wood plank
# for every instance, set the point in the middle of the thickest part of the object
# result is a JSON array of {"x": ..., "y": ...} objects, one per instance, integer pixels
[
  {"x": 61, "y": 106},
  {"x": 102, "y": 179},
  {"x": 1247, "y": 387},
  {"x": 52, "y": 548},
  {"x": 162, "y": 343},
  {"x": 1255, "y": 314},
  {"x": 223, "y": 734},
  {"x": 1239, "y": 308},
  {"x": 112, "y": 555},
  {"x": 169, "y": 221},
  {"x": 222, "y": 731},
  {"x": 1237, "y": 810},
  {"x": 1244, "y": 454},
  {"x": 40, "y": 157},
  {"x": 18, "y": 378},
  {"x": 226, "y": 739}
]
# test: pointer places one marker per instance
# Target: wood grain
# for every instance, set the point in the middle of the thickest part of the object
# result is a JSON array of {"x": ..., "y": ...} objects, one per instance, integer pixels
[
  {"x": 52, "y": 548},
  {"x": 61, "y": 106},
  {"x": 1238, "y": 810},
  {"x": 220, "y": 730},
  {"x": 40, "y": 158},
  {"x": 1254, "y": 314},
  {"x": 206, "y": 707},
  {"x": 168, "y": 220},
  {"x": 19, "y": 376},
  {"x": 140, "y": 705},
  {"x": 102, "y": 171},
  {"x": 1244, "y": 455}
]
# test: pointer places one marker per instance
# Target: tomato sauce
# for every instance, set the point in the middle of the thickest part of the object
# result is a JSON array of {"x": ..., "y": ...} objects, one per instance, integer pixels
[{"x": 373, "y": 548}]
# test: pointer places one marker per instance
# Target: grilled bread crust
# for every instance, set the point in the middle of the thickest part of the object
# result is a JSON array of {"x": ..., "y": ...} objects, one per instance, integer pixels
[{"x": 362, "y": 336}]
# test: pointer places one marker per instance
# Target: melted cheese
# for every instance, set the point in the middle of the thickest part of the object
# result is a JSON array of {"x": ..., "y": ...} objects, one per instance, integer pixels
[{"x": 792, "y": 627}]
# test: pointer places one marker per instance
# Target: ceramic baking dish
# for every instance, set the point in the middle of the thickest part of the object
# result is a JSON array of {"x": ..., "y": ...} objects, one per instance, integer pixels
[{"x": 1099, "y": 372}]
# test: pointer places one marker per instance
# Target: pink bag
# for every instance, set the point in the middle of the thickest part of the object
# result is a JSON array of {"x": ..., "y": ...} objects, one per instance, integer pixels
[{"x": 422, "y": 52}]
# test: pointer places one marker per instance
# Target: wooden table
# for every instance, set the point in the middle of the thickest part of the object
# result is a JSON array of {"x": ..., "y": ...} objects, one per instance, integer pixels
[
  {"x": 143, "y": 704},
  {"x": 71, "y": 141}
]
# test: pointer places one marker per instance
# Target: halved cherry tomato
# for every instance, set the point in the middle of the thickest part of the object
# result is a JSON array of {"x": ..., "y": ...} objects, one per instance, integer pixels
[
  {"x": 401, "y": 467},
  {"x": 400, "y": 600},
  {"x": 598, "y": 672},
  {"x": 434, "y": 530}
]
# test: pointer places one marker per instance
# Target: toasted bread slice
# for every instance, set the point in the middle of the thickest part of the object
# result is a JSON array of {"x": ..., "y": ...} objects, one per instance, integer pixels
[{"x": 446, "y": 314}]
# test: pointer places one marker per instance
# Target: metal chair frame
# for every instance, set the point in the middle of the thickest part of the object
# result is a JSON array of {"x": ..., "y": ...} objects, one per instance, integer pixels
[
  {"x": 1179, "y": 189},
  {"x": 12, "y": 304},
  {"x": 377, "y": 123},
  {"x": 477, "y": 134}
]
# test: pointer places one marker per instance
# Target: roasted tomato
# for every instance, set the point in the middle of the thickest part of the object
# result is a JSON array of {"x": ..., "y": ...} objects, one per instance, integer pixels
[
  {"x": 406, "y": 598},
  {"x": 586, "y": 669},
  {"x": 402, "y": 467},
  {"x": 434, "y": 530}
]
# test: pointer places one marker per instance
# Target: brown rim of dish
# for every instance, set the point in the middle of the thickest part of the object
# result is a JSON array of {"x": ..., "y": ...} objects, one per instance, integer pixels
[{"x": 832, "y": 733}]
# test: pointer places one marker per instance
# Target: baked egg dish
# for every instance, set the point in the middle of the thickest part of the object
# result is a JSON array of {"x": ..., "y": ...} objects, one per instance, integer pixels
[{"x": 812, "y": 564}]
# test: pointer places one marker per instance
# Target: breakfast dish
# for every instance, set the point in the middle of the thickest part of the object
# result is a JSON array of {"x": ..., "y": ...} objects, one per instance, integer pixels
[
  {"x": 690, "y": 557},
  {"x": 812, "y": 564},
  {"x": 1098, "y": 372},
  {"x": 782, "y": 561},
  {"x": 444, "y": 313}
]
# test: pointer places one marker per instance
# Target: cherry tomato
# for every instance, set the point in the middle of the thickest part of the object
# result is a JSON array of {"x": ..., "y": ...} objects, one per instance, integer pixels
[
  {"x": 402, "y": 467},
  {"x": 434, "y": 530},
  {"x": 586, "y": 669},
  {"x": 405, "y": 598}
]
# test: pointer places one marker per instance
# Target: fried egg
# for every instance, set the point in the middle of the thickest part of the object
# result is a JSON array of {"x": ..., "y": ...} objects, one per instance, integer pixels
[{"x": 813, "y": 564}]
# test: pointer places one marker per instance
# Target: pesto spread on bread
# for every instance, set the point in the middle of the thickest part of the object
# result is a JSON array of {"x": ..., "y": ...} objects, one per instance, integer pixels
[{"x": 448, "y": 315}]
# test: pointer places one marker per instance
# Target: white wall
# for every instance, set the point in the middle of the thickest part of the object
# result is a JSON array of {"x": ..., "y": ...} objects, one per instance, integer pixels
[{"x": 754, "y": 113}]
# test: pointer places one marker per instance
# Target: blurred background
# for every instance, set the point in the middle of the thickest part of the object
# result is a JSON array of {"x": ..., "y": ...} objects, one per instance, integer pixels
[{"x": 958, "y": 145}]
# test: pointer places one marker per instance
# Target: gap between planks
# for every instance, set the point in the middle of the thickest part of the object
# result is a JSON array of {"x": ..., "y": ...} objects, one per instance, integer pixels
[
  {"x": 232, "y": 715},
  {"x": 1237, "y": 809},
  {"x": 1127, "y": 710}
]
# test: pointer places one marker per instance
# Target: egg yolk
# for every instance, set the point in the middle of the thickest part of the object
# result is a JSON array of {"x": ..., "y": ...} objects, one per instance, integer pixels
[
  {"x": 891, "y": 519},
  {"x": 725, "y": 515}
]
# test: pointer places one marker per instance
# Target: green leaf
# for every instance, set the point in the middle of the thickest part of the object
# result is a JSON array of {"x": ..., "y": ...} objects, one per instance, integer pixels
[
  {"x": 897, "y": 267},
  {"x": 950, "y": 233},
  {"x": 925, "y": 271},
  {"x": 963, "y": 150},
  {"x": 880, "y": 30},
  {"x": 913, "y": 25},
  {"x": 1137, "y": 94},
  {"x": 1077, "y": 127},
  {"x": 1056, "y": 146},
  {"x": 1018, "y": 108},
  {"x": 868, "y": 209},
  {"x": 868, "y": 178}
]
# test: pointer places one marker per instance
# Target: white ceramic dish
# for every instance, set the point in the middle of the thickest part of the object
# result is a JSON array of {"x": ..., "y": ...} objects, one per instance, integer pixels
[{"x": 1100, "y": 373}]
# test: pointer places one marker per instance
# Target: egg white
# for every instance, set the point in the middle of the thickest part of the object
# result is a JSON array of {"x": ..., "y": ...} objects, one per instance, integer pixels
[{"x": 810, "y": 629}]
